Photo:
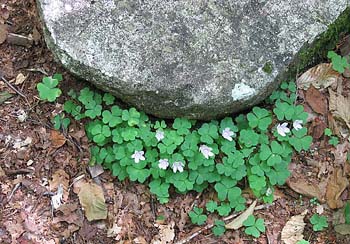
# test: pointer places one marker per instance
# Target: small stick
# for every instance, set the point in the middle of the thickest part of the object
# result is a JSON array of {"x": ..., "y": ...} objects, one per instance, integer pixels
[
  {"x": 38, "y": 70},
  {"x": 209, "y": 226},
  {"x": 18, "y": 171},
  {"x": 13, "y": 88},
  {"x": 13, "y": 191}
]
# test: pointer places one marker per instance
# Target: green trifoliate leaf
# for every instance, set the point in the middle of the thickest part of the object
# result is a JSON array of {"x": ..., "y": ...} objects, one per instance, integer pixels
[{"x": 48, "y": 90}]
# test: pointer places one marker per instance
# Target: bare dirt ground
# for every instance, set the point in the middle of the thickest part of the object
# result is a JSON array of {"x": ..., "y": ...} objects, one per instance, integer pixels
[{"x": 33, "y": 157}]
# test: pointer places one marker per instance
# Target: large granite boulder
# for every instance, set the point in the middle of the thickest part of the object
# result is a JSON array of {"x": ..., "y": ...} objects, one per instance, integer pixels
[{"x": 192, "y": 58}]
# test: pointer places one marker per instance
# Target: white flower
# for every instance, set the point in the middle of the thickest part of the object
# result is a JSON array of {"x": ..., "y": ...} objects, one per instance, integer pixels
[
  {"x": 178, "y": 166},
  {"x": 298, "y": 124},
  {"x": 206, "y": 151},
  {"x": 227, "y": 134},
  {"x": 282, "y": 129},
  {"x": 159, "y": 135},
  {"x": 163, "y": 163},
  {"x": 138, "y": 156}
]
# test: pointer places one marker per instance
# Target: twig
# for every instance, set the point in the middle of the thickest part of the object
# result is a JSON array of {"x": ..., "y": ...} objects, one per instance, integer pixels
[
  {"x": 18, "y": 171},
  {"x": 13, "y": 191},
  {"x": 38, "y": 70},
  {"x": 13, "y": 88},
  {"x": 209, "y": 226}
]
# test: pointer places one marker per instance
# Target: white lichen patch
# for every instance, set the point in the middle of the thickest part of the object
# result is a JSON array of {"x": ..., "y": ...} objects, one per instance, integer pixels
[{"x": 242, "y": 91}]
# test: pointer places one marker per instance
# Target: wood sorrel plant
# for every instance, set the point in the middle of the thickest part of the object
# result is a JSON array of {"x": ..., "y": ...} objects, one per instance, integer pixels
[{"x": 187, "y": 155}]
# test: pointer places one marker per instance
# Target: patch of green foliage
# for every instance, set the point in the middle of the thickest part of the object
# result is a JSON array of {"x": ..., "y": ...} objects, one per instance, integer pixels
[
  {"x": 303, "y": 242},
  {"x": 197, "y": 217},
  {"x": 347, "y": 213},
  {"x": 254, "y": 227},
  {"x": 219, "y": 228},
  {"x": 339, "y": 63},
  {"x": 333, "y": 140},
  {"x": 189, "y": 156},
  {"x": 318, "y": 222},
  {"x": 48, "y": 88}
]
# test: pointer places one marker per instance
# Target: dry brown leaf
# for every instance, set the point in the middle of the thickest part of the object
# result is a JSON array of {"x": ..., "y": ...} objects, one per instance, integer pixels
[
  {"x": 340, "y": 107},
  {"x": 317, "y": 128},
  {"x": 292, "y": 232},
  {"x": 238, "y": 221},
  {"x": 3, "y": 33},
  {"x": 57, "y": 139},
  {"x": 20, "y": 78},
  {"x": 305, "y": 188},
  {"x": 60, "y": 177},
  {"x": 337, "y": 183},
  {"x": 316, "y": 100},
  {"x": 166, "y": 234},
  {"x": 92, "y": 200},
  {"x": 320, "y": 76}
]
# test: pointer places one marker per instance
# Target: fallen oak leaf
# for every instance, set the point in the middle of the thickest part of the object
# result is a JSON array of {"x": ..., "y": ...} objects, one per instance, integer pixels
[
  {"x": 57, "y": 139},
  {"x": 92, "y": 200},
  {"x": 293, "y": 230},
  {"x": 316, "y": 100},
  {"x": 340, "y": 107},
  {"x": 301, "y": 186},
  {"x": 337, "y": 183},
  {"x": 320, "y": 76}
]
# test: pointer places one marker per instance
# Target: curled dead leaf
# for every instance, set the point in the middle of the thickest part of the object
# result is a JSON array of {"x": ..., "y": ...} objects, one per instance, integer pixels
[
  {"x": 293, "y": 230},
  {"x": 337, "y": 183},
  {"x": 316, "y": 100},
  {"x": 340, "y": 107},
  {"x": 57, "y": 139},
  {"x": 303, "y": 187},
  {"x": 320, "y": 76}
]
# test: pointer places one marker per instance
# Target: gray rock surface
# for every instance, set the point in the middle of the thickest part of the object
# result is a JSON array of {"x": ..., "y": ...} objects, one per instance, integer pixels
[{"x": 193, "y": 58}]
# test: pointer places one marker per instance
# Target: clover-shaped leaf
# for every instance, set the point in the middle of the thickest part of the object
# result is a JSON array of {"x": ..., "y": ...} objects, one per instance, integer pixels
[
  {"x": 339, "y": 63},
  {"x": 119, "y": 171},
  {"x": 254, "y": 226},
  {"x": 248, "y": 138},
  {"x": 160, "y": 189},
  {"x": 197, "y": 217},
  {"x": 113, "y": 117},
  {"x": 100, "y": 133},
  {"x": 48, "y": 89},
  {"x": 273, "y": 155},
  {"x": 86, "y": 96},
  {"x": 137, "y": 174},
  {"x": 208, "y": 132},
  {"x": 108, "y": 98},
  {"x": 224, "y": 209},
  {"x": 318, "y": 222},
  {"x": 211, "y": 206},
  {"x": 284, "y": 110},
  {"x": 226, "y": 187},
  {"x": 219, "y": 228},
  {"x": 257, "y": 182},
  {"x": 300, "y": 140},
  {"x": 182, "y": 126},
  {"x": 93, "y": 110},
  {"x": 260, "y": 118},
  {"x": 131, "y": 116}
]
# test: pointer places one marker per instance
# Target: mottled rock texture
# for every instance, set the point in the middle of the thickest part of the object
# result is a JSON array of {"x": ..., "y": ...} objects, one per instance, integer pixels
[{"x": 194, "y": 58}]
